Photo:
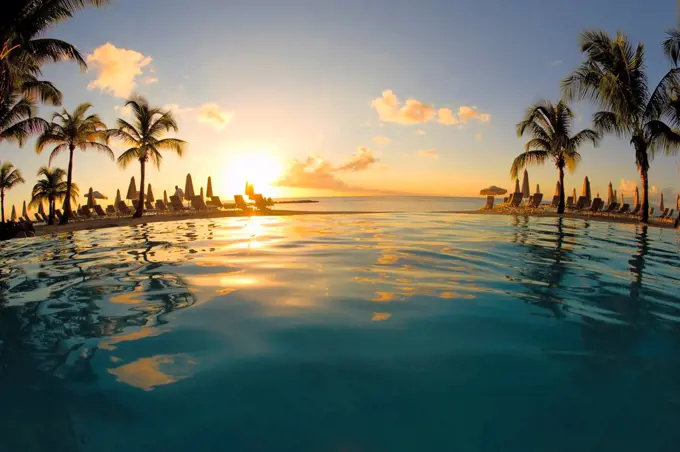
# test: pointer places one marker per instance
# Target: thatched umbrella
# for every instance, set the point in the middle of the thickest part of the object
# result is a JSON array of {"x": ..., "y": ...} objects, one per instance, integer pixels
[
  {"x": 165, "y": 197},
  {"x": 201, "y": 193},
  {"x": 526, "y": 191},
  {"x": 610, "y": 194},
  {"x": 13, "y": 217},
  {"x": 149, "y": 195},
  {"x": 517, "y": 190},
  {"x": 118, "y": 199},
  {"x": 616, "y": 196},
  {"x": 132, "y": 193},
  {"x": 24, "y": 212},
  {"x": 586, "y": 189},
  {"x": 189, "y": 188},
  {"x": 661, "y": 206},
  {"x": 209, "y": 190},
  {"x": 538, "y": 189},
  {"x": 493, "y": 191}
]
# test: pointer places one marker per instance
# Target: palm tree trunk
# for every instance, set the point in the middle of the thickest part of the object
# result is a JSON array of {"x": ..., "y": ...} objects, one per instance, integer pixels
[
  {"x": 69, "y": 179},
  {"x": 561, "y": 205},
  {"x": 140, "y": 211},
  {"x": 50, "y": 219},
  {"x": 2, "y": 204},
  {"x": 643, "y": 165}
]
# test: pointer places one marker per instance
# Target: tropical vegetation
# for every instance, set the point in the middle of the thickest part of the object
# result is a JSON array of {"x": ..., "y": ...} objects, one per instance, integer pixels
[
  {"x": 71, "y": 131},
  {"x": 549, "y": 126},
  {"x": 17, "y": 120},
  {"x": 613, "y": 76},
  {"x": 145, "y": 138},
  {"x": 10, "y": 177},
  {"x": 52, "y": 189}
]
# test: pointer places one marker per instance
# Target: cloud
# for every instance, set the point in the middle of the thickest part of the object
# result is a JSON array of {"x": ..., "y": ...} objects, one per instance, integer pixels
[
  {"x": 429, "y": 154},
  {"x": 148, "y": 80},
  {"x": 466, "y": 114},
  {"x": 627, "y": 186},
  {"x": 390, "y": 109},
  {"x": 360, "y": 161},
  {"x": 420, "y": 132},
  {"x": 479, "y": 137},
  {"x": 117, "y": 69},
  {"x": 556, "y": 63},
  {"x": 316, "y": 172},
  {"x": 214, "y": 115},
  {"x": 381, "y": 140}
]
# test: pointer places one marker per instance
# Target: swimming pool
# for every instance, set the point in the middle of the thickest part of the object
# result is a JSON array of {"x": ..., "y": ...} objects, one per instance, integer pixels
[{"x": 343, "y": 333}]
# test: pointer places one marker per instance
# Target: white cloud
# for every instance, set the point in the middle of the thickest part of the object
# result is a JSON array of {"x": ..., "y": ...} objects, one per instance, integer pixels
[
  {"x": 447, "y": 117},
  {"x": 214, "y": 115},
  {"x": 390, "y": 109},
  {"x": 125, "y": 112},
  {"x": 466, "y": 114},
  {"x": 381, "y": 140},
  {"x": 429, "y": 154},
  {"x": 117, "y": 69},
  {"x": 627, "y": 186},
  {"x": 420, "y": 132},
  {"x": 360, "y": 161},
  {"x": 148, "y": 80}
]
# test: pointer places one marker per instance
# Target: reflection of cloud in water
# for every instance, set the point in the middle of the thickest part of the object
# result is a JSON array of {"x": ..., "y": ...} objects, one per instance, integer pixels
[
  {"x": 110, "y": 342},
  {"x": 380, "y": 316},
  {"x": 148, "y": 373},
  {"x": 384, "y": 297}
]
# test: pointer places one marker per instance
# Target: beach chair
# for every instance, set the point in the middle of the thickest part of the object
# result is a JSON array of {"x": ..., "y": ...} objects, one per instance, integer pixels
[
  {"x": 160, "y": 206},
  {"x": 215, "y": 202},
  {"x": 260, "y": 203},
  {"x": 86, "y": 212},
  {"x": 596, "y": 206},
  {"x": 57, "y": 214},
  {"x": 670, "y": 215},
  {"x": 241, "y": 203},
  {"x": 197, "y": 203},
  {"x": 555, "y": 201},
  {"x": 489, "y": 202},
  {"x": 99, "y": 211},
  {"x": 123, "y": 208},
  {"x": 651, "y": 211},
  {"x": 135, "y": 204},
  {"x": 570, "y": 202},
  {"x": 611, "y": 208},
  {"x": 581, "y": 203},
  {"x": 176, "y": 204},
  {"x": 110, "y": 210},
  {"x": 536, "y": 200},
  {"x": 148, "y": 205},
  {"x": 624, "y": 209},
  {"x": 516, "y": 200},
  {"x": 505, "y": 199},
  {"x": 664, "y": 213},
  {"x": 636, "y": 210}
]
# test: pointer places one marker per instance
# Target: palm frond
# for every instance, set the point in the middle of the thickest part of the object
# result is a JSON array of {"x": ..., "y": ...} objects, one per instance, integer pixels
[
  {"x": 56, "y": 151},
  {"x": 129, "y": 156},
  {"x": 671, "y": 46},
  {"x": 525, "y": 159},
  {"x": 609, "y": 122}
]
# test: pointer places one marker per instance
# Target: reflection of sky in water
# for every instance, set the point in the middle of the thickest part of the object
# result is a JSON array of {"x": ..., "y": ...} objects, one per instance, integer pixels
[{"x": 378, "y": 332}]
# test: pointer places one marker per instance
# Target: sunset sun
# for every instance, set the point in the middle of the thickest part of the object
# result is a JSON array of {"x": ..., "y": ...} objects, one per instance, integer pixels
[{"x": 257, "y": 167}]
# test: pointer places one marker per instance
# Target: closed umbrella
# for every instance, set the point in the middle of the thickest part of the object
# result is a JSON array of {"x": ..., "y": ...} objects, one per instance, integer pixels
[
  {"x": 586, "y": 189},
  {"x": 636, "y": 197},
  {"x": 616, "y": 196},
  {"x": 132, "y": 190},
  {"x": 557, "y": 189},
  {"x": 118, "y": 199},
  {"x": 573, "y": 194},
  {"x": 209, "y": 190},
  {"x": 149, "y": 195},
  {"x": 610, "y": 194},
  {"x": 538, "y": 189},
  {"x": 165, "y": 197},
  {"x": 517, "y": 186},
  {"x": 189, "y": 188},
  {"x": 526, "y": 191},
  {"x": 201, "y": 193},
  {"x": 622, "y": 201},
  {"x": 13, "y": 217},
  {"x": 661, "y": 206},
  {"x": 24, "y": 212},
  {"x": 41, "y": 209},
  {"x": 493, "y": 191},
  {"x": 677, "y": 204}
]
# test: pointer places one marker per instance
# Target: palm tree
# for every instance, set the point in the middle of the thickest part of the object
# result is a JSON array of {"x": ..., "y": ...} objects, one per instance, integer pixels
[
  {"x": 69, "y": 131},
  {"x": 52, "y": 189},
  {"x": 23, "y": 50},
  {"x": 17, "y": 122},
  {"x": 144, "y": 136},
  {"x": 549, "y": 126},
  {"x": 613, "y": 76},
  {"x": 10, "y": 177}
]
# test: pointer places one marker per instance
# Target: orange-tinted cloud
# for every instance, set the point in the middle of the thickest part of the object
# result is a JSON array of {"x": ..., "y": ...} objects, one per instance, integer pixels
[
  {"x": 212, "y": 114},
  {"x": 117, "y": 69},
  {"x": 466, "y": 114},
  {"x": 381, "y": 140},
  {"x": 447, "y": 117},
  {"x": 390, "y": 109},
  {"x": 363, "y": 159},
  {"x": 429, "y": 153}
]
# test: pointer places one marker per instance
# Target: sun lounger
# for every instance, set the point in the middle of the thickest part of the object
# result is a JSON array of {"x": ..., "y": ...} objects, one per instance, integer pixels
[
  {"x": 489, "y": 203},
  {"x": 197, "y": 203},
  {"x": 123, "y": 208},
  {"x": 570, "y": 202},
  {"x": 636, "y": 210},
  {"x": 555, "y": 201},
  {"x": 611, "y": 208},
  {"x": 110, "y": 210},
  {"x": 260, "y": 203},
  {"x": 670, "y": 215},
  {"x": 597, "y": 204},
  {"x": 86, "y": 213},
  {"x": 148, "y": 205},
  {"x": 624, "y": 209},
  {"x": 516, "y": 199},
  {"x": 505, "y": 199},
  {"x": 664, "y": 213},
  {"x": 241, "y": 203},
  {"x": 160, "y": 206},
  {"x": 99, "y": 211},
  {"x": 581, "y": 203},
  {"x": 215, "y": 202},
  {"x": 535, "y": 200},
  {"x": 176, "y": 204}
]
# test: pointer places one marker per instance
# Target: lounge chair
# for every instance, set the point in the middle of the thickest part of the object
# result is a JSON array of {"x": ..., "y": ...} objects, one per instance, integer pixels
[
  {"x": 124, "y": 209},
  {"x": 624, "y": 209},
  {"x": 636, "y": 210},
  {"x": 86, "y": 212},
  {"x": 489, "y": 202},
  {"x": 215, "y": 202},
  {"x": 611, "y": 208},
  {"x": 135, "y": 204},
  {"x": 664, "y": 214},
  {"x": 260, "y": 203},
  {"x": 535, "y": 200},
  {"x": 555, "y": 201},
  {"x": 160, "y": 206},
  {"x": 505, "y": 199},
  {"x": 176, "y": 204},
  {"x": 241, "y": 203},
  {"x": 197, "y": 203},
  {"x": 99, "y": 211},
  {"x": 597, "y": 204},
  {"x": 670, "y": 215},
  {"x": 148, "y": 205},
  {"x": 581, "y": 203},
  {"x": 651, "y": 211},
  {"x": 570, "y": 202},
  {"x": 516, "y": 199},
  {"x": 110, "y": 210}
]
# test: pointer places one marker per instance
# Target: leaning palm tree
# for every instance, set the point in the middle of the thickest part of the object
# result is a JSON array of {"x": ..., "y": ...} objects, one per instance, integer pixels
[
  {"x": 549, "y": 126},
  {"x": 69, "y": 131},
  {"x": 613, "y": 76},
  {"x": 23, "y": 49},
  {"x": 52, "y": 189},
  {"x": 144, "y": 136},
  {"x": 17, "y": 121},
  {"x": 10, "y": 177}
]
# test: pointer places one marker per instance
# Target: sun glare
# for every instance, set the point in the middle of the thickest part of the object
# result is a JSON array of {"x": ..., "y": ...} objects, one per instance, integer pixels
[{"x": 259, "y": 168}]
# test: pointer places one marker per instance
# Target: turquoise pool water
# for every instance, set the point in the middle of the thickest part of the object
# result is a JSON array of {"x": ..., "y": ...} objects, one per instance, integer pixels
[{"x": 327, "y": 333}]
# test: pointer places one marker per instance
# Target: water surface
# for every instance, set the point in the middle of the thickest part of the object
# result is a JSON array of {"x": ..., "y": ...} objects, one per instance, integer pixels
[{"x": 386, "y": 332}]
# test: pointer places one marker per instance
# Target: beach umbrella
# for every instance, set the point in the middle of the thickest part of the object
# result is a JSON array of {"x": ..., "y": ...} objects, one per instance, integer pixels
[
  {"x": 636, "y": 197},
  {"x": 661, "y": 206},
  {"x": 517, "y": 186},
  {"x": 24, "y": 212},
  {"x": 13, "y": 217},
  {"x": 118, "y": 199},
  {"x": 149, "y": 195},
  {"x": 586, "y": 189},
  {"x": 201, "y": 193},
  {"x": 557, "y": 189},
  {"x": 132, "y": 190},
  {"x": 622, "y": 201},
  {"x": 538, "y": 189},
  {"x": 573, "y": 194},
  {"x": 677, "y": 203},
  {"x": 526, "y": 191},
  {"x": 209, "y": 190},
  {"x": 616, "y": 196},
  {"x": 610, "y": 194},
  {"x": 493, "y": 191},
  {"x": 41, "y": 210},
  {"x": 165, "y": 197},
  {"x": 189, "y": 188}
]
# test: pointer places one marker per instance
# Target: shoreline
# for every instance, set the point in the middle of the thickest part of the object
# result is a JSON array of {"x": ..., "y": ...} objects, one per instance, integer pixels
[{"x": 104, "y": 223}]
